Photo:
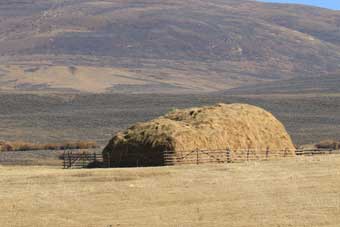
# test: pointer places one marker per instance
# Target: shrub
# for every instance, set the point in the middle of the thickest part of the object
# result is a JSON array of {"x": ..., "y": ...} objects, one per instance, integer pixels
[
  {"x": 328, "y": 144},
  {"x": 25, "y": 146}
]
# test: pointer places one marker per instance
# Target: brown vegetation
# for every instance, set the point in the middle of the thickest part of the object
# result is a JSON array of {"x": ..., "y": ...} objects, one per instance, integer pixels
[
  {"x": 328, "y": 144},
  {"x": 26, "y": 146}
]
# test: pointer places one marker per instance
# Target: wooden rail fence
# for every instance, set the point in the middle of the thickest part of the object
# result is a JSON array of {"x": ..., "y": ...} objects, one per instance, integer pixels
[
  {"x": 228, "y": 156},
  {"x": 94, "y": 159},
  {"x": 82, "y": 159}
]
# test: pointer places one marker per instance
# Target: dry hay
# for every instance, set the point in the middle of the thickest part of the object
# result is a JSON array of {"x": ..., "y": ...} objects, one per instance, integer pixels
[{"x": 233, "y": 126}]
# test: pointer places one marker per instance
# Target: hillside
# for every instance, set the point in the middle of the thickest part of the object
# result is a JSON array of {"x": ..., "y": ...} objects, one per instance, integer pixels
[{"x": 185, "y": 46}]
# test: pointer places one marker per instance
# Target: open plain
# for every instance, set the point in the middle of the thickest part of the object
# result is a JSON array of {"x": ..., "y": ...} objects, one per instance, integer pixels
[{"x": 302, "y": 191}]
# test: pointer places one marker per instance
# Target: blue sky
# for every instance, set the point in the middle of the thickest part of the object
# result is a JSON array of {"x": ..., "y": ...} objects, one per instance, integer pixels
[{"x": 332, "y": 4}]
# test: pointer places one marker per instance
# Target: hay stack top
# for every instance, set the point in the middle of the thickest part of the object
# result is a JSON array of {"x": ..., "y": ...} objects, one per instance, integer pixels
[{"x": 234, "y": 126}]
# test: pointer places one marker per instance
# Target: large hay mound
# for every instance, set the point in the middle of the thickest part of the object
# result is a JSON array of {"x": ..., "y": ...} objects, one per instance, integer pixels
[{"x": 233, "y": 126}]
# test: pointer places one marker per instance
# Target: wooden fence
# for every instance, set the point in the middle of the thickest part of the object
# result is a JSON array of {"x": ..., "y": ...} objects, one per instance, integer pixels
[
  {"x": 94, "y": 159},
  {"x": 242, "y": 155},
  {"x": 220, "y": 156}
]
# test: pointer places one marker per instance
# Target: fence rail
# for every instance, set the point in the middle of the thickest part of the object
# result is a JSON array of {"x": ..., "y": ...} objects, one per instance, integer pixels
[{"x": 85, "y": 159}]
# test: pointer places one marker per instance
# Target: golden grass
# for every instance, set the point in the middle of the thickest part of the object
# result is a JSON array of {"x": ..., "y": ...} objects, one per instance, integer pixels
[
  {"x": 297, "y": 192},
  {"x": 25, "y": 146}
]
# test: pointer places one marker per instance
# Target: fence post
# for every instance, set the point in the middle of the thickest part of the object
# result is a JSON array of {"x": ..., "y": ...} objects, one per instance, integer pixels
[
  {"x": 228, "y": 155},
  {"x": 69, "y": 159},
  {"x": 197, "y": 157},
  {"x": 248, "y": 154},
  {"x": 267, "y": 153},
  {"x": 64, "y": 156},
  {"x": 83, "y": 158}
]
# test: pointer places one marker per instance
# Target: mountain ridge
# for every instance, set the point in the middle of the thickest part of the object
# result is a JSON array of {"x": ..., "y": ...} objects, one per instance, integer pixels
[{"x": 141, "y": 46}]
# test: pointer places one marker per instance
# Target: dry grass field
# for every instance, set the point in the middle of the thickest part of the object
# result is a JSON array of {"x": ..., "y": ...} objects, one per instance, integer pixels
[{"x": 294, "y": 192}]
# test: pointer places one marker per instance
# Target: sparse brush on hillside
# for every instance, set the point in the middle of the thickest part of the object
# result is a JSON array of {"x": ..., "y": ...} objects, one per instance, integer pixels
[{"x": 25, "y": 146}]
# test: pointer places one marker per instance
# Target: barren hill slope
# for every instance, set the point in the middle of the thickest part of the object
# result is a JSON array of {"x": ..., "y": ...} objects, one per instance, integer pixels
[{"x": 162, "y": 46}]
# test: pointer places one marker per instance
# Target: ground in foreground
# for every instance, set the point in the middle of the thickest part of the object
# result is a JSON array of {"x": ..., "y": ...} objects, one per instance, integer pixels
[{"x": 294, "y": 192}]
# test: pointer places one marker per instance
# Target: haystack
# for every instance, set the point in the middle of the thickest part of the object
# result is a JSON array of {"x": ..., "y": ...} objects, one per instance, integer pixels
[{"x": 232, "y": 126}]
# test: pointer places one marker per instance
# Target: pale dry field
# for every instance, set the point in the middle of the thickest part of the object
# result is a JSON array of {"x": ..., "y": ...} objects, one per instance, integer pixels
[{"x": 295, "y": 192}]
